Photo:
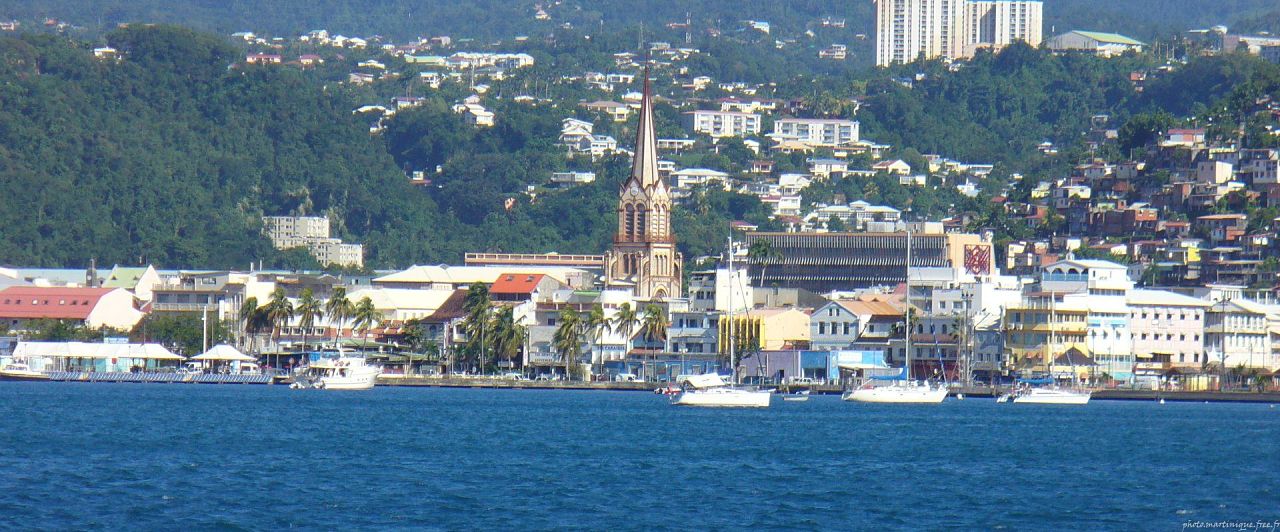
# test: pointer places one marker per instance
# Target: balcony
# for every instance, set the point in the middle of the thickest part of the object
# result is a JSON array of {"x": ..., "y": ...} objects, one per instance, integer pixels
[{"x": 1065, "y": 277}]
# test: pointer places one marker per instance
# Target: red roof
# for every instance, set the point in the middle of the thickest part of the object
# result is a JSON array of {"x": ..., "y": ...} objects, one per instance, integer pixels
[
  {"x": 516, "y": 283},
  {"x": 35, "y": 302}
]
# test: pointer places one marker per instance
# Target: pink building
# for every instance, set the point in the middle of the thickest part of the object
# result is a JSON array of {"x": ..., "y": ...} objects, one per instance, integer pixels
[{"x": 1167, "y": 328}]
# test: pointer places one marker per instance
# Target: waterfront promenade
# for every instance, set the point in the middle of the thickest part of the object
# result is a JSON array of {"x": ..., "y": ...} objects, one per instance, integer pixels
[{"x": 983, "y": 392}]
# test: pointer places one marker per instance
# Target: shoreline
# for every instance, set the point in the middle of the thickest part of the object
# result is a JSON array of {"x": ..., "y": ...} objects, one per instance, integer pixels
[{"x": 1272, "y": 397}]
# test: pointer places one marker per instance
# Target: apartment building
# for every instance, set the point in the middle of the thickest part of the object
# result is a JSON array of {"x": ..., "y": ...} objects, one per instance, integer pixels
[
  {"x": 816, "y": 132},
  {"x": 720, "y": 124}
]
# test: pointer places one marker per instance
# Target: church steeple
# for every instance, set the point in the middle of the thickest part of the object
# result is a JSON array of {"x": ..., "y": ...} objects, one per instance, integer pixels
[
  {"x": 644, "y": 167},
  {"x": 644, "y": 255}
]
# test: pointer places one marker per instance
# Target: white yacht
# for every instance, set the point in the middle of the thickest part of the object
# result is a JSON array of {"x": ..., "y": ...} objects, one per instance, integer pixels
[
  {"x": 343, "y": 373},
  {"x": 711, "y": 390},
  {"x": 902, "y": 389},
  {"x": 1049, "y": 396}
]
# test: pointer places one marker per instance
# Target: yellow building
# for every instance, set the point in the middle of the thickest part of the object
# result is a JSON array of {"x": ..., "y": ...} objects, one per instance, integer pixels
[
  {"x": 772, "y": 329},
  {"x": 1039, "y": 330}
]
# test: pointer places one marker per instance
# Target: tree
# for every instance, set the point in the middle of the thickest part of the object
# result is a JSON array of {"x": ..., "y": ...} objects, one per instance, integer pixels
[
  {"x": 625, "y": 321},
  {"x": 653, "y": 327},
  {"x": 365, "y": 316},
  {"x": 834, "y": 224},
  {"x": 309, "y": 310},
  {"x": 279, "y": 312},
  {"x": 478, "y": 308},
  {"x": 253, "y": 320},
  {"x": 761, "y": 253},
  {"x": 339, "y": 309},
  {"x": 597, "y": 325},
  {"x": 508, "y": 334},
  {"x": 183, "y": 332},
  {"x": 568, "y": 337}
]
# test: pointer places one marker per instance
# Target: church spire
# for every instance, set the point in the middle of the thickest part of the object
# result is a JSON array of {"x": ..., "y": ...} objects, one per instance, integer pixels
[{"x": 644, "y": 167}]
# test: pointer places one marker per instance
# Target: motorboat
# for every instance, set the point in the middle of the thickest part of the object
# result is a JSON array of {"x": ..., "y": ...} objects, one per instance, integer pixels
[
  {"x": 342, "y": 373},
  {"x": 19, "y": 371},
  {"x": 900, "y": 391},
  {"x": 798, "y": 397},
  {"x": 710, "y": 390}
]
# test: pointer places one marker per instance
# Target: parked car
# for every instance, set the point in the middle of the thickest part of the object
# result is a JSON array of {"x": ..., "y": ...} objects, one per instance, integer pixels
[
  {"x": 625, "y": 377},
  {"x": 512, "y": 376}
]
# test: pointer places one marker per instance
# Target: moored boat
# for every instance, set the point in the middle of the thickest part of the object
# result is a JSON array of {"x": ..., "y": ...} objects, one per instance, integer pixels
[
  {"x": 18, "y": 371},
  {"x": 710, "y": 390},
  {"x": 1052, "y": 396},
  {"x": 343, "y": 373}
]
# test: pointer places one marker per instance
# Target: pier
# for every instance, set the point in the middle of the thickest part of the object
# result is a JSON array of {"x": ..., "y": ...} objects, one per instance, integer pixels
[{"x": 158, "y": 378}]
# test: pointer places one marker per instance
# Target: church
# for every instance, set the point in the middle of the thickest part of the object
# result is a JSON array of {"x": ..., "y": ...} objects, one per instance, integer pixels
[{"x": 644, "y": 256}]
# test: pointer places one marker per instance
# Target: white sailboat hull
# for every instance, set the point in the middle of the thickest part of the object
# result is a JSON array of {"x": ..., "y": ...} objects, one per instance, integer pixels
[
  {"x": 724, "y": 398},
  {"x": 897, "y": 394},
  {"x": 1053, "y": 397}
]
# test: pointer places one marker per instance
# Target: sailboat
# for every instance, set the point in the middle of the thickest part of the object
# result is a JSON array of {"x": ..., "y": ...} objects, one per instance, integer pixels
[
  {"x": 710, "y": 389},
  {"x": 901, "y": 388}
]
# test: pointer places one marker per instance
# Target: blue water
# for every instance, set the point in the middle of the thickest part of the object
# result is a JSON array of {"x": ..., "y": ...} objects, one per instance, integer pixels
[{"x": 75, "y": 455}]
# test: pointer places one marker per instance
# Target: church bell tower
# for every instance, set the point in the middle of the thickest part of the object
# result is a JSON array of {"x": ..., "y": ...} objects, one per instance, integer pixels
[{"x": 644, "y": 252}]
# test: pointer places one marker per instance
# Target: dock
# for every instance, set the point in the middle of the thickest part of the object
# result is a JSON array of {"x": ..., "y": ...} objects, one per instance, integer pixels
[{"x": 158, "y": 378}]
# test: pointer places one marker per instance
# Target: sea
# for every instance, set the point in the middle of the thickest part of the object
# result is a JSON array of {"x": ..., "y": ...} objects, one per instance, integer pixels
[{"x": 239, "y": 457}]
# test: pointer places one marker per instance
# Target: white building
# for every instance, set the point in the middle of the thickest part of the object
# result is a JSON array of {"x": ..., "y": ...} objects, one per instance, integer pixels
[
  {"x": 1098, "y": 43},
  {"x": 827, "y": 133},
  {"x": 312, "y": 232},
  {"x": 952, "y": 29},
  {"x": 719, "y": 124},
  {"x": 996, "y": 24}
]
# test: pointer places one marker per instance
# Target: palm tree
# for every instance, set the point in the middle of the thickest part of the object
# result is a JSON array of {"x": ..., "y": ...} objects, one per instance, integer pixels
[
  {"x": 761, "y": 253},
  {"x": 478, "y": 308},
  {"x": 365, "y": 317},
  {"x": 625, "y": 322},
  {"x": 508, "y": 334},
  {"x": 597, "y": 326},
  {"x": 568, "y": 337},
  {"x": 653, "y": 327},
  {"x": 279, "y": 312},
  {"x": 339, "y": 309},
  {"x": 309, "y": 310},
  {"x": 253, "y": 319}
]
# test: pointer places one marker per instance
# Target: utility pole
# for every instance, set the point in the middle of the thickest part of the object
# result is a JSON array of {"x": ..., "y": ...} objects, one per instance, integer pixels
[{"x": 204, "y": 328}]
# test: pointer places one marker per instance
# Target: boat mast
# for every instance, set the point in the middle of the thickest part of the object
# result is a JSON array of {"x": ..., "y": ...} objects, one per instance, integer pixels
[
  {"x": 729, "y": 329},
  {"x": 907, "y": 314}
]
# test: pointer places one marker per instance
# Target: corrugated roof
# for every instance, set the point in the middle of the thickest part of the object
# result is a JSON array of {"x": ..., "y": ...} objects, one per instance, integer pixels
[
  {"x": 34, "y": 302},
  {"x": 516, "y": 283},
  {"x": 1110, "y": 38}
]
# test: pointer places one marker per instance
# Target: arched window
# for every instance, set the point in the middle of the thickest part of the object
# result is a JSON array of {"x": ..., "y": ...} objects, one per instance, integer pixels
[
  {"x": 628, "y": 222},
  {"x": 642, "y": 221}
]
